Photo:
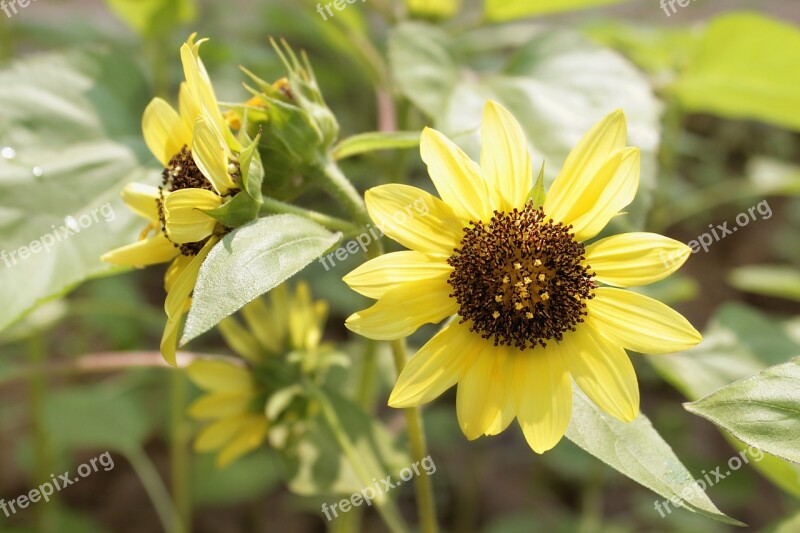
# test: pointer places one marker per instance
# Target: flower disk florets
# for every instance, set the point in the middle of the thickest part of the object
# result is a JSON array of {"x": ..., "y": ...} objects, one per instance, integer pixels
[{"x": 519, "y": 279}]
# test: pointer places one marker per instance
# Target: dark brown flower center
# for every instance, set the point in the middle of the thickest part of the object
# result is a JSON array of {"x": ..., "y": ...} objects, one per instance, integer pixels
[{"x": 518, "y": 279}]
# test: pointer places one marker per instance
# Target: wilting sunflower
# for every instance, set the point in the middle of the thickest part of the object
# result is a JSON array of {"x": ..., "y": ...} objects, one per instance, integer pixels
[
  {"x": 534, "y": 304},
  {"x": 198, "y": 152}
]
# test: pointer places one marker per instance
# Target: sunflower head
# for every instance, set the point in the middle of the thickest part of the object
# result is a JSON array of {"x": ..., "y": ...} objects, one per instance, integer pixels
[{"x": 537, "y": 303}]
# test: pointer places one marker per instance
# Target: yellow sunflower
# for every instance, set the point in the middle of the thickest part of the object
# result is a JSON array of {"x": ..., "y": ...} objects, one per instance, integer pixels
[
  {"x": 197, "y": 150},
  {"x": 534, "y": 305}
]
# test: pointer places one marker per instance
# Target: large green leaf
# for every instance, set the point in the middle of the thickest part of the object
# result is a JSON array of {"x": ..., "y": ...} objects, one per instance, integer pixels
[
  {"x": 316, "y": 465},
  {"x": 72, "y": 123},
  {"x": 558, "y": 85},
  {"x": 638, "y": 451},
  {"x": 250, "y": 261},
  {"x": 762, "y": 410},
  {"x": 95, "y": 417},
  {"x": 511, "y": 9},
  {"x": 747, "y": 66},
  {"x": 738, "y": 343}
]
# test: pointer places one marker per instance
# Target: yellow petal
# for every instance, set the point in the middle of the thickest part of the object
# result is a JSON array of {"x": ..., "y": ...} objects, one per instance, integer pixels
[
  {"x": 169, "y": 339},
  {"x": 640, "y": 323},
  {"x": 188, "y": 106},
  {"x": 584, "y": 161},
  {"x": 505, "y": 160},
  {"x": 415, "y": 219},
  {"x": 142, "y": 199},
  {"x": 164, "y": 131},
  {"x": 457, "y": 178},
  {"x": 149, "y": 251},
  {"x": 603, "y": 371},
  {"x": 485, "y": 398},
  {"x": 219, "y": 433},
  {"x": 175, "y": 303},
  {"x": 250, "y": 437},
  {"x": 403, "y": 309},
  {"x": 435, "y": 368},
  {"x": 203, "y": 92},
  {"x": 175, "y": 270},
  {"x": 184, "y": 217},
  {"x": 220, "y": 404},
  {"x": 220, "y": 375},
  {"x": 544, "y": 396},
  {"x": 240, "y": 340},
  {"x": 613, "y": 188},
  {"x": 210, "y": 156},
  {"x": 632, "y": 259},
  {"x": 375, "y": 277}
]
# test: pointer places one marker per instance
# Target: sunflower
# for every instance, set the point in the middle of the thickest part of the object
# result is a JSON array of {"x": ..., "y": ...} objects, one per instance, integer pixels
[
  {"x": 533, "y": 304},
  {"x": 246, "y": 399},
  {"x": 198, "y": 152}
]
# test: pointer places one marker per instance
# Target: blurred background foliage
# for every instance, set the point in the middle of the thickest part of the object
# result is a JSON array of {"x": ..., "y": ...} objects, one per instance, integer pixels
[{"x": 711, "y": 95}]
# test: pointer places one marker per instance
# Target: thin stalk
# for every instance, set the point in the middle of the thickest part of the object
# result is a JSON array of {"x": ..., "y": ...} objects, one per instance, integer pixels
[
  {"x": 339, "y": 187},
  {"x": 272, "y": 206},
  {"x": 37, "y": 391},
  {"x": 155, "y": 488},
  {"x": 419, "y": 450},
  {"x": 385, "y": 505},
  {"x": 178, "y": 450}
]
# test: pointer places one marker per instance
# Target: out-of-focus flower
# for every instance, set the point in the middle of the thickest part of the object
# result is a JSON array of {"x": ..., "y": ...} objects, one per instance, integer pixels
[{"x": 535, "y": 307}]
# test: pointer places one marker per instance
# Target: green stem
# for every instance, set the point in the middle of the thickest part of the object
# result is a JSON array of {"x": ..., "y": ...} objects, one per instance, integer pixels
[
  {"x": 369, "y": 367},
  {"x": 179, "y": 456},
  {"x": 155, "y": 488},
  {"x": 273, "y": 206},
  {"x": 416, "y": 437},
  {"x": 385, "y": 505},
  {"x": 339, "y": 187},
  {"x": 37, "y": 390}
]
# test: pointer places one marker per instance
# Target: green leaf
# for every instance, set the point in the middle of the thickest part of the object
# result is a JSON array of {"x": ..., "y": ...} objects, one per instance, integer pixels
[
  {"x": 638, "y": 451},
  {"x": 762, "y": 410},
  {"x": 154, "y": 17},
  {"x": 537, "y": 194},
  {"x": 511, "y": 9},
  {"x": 746, "y": 67},
  {"x": 788, "y": 525},
  {"x": 250, "y": 261},
  {"x": 95, "y": 417},
  {"x": 74, "y": 118},
  {"x": 557, "y": 85},
  {"x": 316, "y": 465},
  {"x": 376, "y": 140},
  {"x": 770, "y": 280},
  {"x": 238, "y": 212},
  {"x": 739, "y": 342},
  {"x": 243, "y": 480},
  {"x": 250, "y": 166}
]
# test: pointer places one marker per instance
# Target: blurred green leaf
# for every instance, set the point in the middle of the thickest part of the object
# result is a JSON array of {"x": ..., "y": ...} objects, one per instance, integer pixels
[
  {"x": 511, "y": 9},
  {"x": 73, "y": 123},
  {"x": 761, "y": 410},
  {"x": 243, "y": 480},
  {"x": 376, "y": 140},
  {"x": 152, "y": 18},
  {"x": 746, "y": 67},
  {"x": 788, "y": 525},
  {"x": 95, "y": 417},
  {"x": 771, "y": 177},
  {"x": 316, "y": 465},
  {"x": 638, "y": 451},
  {"x": 250, "y": 261},
  {"x": 738, "y": 342},
  {"x": 780, "y": 281},
  {"x": 557, "y": 85}
]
